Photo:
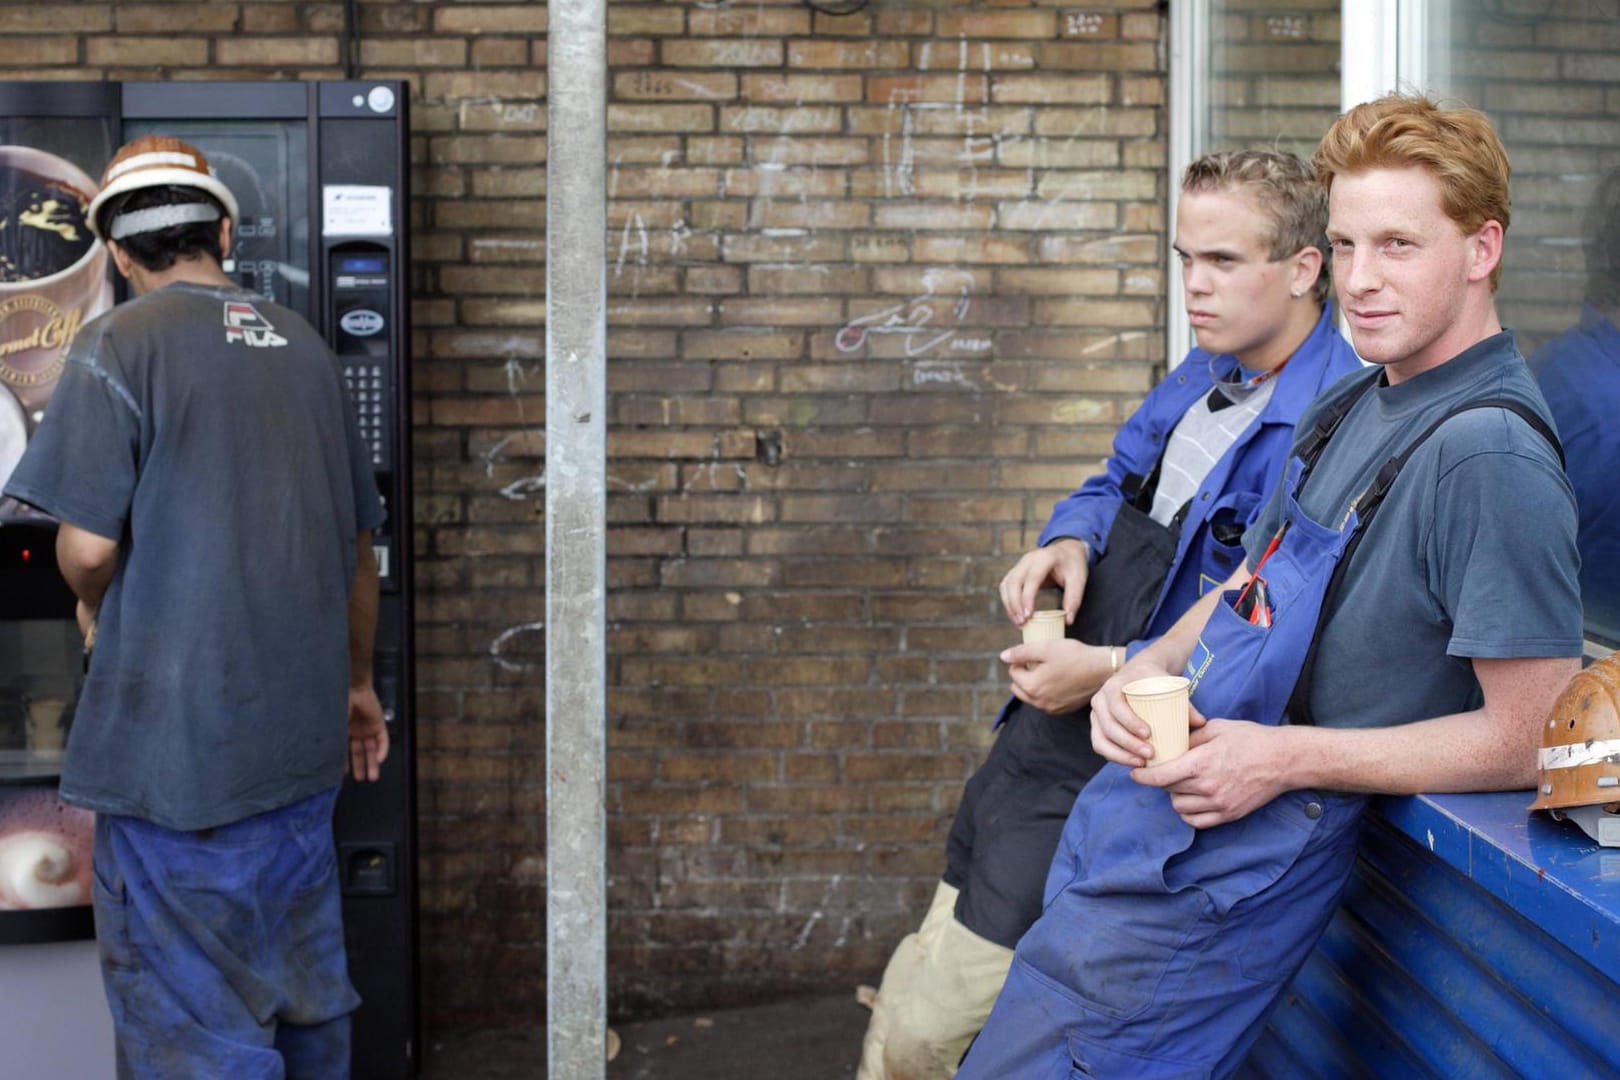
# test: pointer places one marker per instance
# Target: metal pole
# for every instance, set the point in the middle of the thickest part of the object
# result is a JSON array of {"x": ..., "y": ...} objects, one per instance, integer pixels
[{"x": 576, "y": 541}]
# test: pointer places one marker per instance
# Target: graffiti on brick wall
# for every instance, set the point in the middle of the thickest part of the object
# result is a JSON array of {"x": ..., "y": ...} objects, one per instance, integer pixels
[
  {"x": 513, "y": 638},
  {"x": 634, "y": 246},
  {"x": 1080, "y": 24},
  {"x": 899, "y": 149},
  {"x": 928, "y": 322},
  {"x": 1286, "y": 26}
]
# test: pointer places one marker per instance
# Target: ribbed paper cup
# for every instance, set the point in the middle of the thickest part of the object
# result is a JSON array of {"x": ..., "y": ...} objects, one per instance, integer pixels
[
  {"x": 1162, "y": 702},
  {"x": 1044, "y": 626},
  {"x": 45, "y": 724}
]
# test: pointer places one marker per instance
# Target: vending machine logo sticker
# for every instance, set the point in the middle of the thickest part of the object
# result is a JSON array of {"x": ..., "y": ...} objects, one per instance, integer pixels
[
  {"x": 244, "y": 325},
  {"x": 361, "y": 322}
]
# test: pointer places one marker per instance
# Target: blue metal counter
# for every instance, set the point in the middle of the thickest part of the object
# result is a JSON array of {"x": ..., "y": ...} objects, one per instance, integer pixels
[{"x": 1476, "y": 939}]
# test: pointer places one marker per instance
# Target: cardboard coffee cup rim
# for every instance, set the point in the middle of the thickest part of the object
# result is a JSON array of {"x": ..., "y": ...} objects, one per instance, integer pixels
[{"x": 1157, "y": 686}]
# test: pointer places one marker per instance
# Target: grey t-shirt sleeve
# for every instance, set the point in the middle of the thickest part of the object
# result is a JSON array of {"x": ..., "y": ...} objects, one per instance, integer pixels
[
  {"x": 80, "y": 467},
  {"x": 1501, "y": 550}
]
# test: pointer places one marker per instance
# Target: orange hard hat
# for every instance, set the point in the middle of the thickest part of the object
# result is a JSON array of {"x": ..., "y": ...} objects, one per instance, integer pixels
[{"x": 1579, "y": 761}]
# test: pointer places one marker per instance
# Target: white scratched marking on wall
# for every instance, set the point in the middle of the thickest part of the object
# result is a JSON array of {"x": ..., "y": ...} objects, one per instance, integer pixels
[
  {"x": 520, "y": 490},
  {"x": 493, "y": 454},
  {"x": 1081, "y": 24},
  {"x": 952, "y": 374},
  {"x": 633, "y": 237},
  {"x": 679, "y": 233},
  {"x": 497, "y": 647},
  {"x": 626, "y": 485},
  {"x": 897, "y": 174},
  {"x": 699, "y": 89},
  {"x": 961, "y": 72},
  {"x": 515, "y": 375},
  {"x": 804, "y": 935},
  {"x": 1286, "y": 26},
  {"x": 1112, "y": 339},
  {"x": 912, "y": 318},
  {"x": 507, "y": 242}
]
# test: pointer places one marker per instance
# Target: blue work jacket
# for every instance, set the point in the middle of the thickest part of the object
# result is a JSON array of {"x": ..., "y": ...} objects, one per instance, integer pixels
[
  {"x": 1579, "y": 371},
  {"x": 1236, "y": 487}
]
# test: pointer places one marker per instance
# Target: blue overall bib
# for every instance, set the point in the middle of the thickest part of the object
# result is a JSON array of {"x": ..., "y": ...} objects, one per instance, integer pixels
[{"x": 1162, "y": 948}]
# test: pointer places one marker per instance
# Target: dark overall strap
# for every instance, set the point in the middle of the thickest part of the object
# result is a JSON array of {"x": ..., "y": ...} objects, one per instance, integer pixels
[
  {"x": 1315, "y": 441},
  {"x": 1366, "y": 505},
  {"x": 1138, "y": 490}
]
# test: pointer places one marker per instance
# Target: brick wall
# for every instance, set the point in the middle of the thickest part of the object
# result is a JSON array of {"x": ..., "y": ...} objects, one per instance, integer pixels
[{"x": 883, "y": 284}]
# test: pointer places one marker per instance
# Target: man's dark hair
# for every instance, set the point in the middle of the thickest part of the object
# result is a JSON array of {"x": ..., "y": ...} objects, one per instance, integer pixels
[{"x": 160, "y": 249}]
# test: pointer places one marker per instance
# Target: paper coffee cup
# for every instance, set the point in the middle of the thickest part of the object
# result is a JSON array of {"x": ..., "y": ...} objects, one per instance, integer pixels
[
  {"x": 45, "y": 731},
  {"x": 1162, "y": 702},
  {"x": 1044, "y": 626}
]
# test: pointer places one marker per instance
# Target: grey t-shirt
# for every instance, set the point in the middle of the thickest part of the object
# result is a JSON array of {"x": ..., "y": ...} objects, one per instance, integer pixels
[
  {"x": 1471, "y": 555},
  {"x": 208, "y": 431}
]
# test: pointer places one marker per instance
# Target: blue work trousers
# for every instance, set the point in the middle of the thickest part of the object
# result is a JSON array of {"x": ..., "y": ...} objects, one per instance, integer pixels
[{"x": 222, "y": 949}]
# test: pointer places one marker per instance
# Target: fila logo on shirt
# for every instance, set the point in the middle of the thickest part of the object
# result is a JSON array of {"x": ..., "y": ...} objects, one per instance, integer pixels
[{"x": 244, "y": 325}]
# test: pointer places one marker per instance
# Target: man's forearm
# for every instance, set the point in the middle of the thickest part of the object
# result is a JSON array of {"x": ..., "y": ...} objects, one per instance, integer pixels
[
  {"x": 363, "y": 613},
  {"x": 87, "y": 563},
  {"x": 1487, "y": 749}
]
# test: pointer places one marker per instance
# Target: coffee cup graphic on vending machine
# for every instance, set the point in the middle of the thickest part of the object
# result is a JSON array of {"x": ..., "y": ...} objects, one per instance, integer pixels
[{"x": 53, "y": 271}]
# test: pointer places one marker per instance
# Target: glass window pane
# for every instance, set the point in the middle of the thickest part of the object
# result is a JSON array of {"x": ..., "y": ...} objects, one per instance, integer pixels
[
  {"x": 1548, "y": 74},
  {"x": 1274, "y": 74}
]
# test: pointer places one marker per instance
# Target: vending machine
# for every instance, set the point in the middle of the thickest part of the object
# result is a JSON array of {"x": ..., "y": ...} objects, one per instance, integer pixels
[{"x": 320, "y": 171}]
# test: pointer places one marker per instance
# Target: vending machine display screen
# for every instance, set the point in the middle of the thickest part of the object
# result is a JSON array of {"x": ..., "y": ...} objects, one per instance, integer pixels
[{"x": 266, "y": 166}]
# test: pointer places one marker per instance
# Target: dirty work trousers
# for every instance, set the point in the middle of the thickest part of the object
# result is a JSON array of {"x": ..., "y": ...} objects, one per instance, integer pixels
[
  {"x": 936, "y": 993},
  {"x": 222, "y": 950}
]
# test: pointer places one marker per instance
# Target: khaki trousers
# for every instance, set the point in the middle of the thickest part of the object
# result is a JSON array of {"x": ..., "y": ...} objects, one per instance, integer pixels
[{"x": 936, "y": 994}]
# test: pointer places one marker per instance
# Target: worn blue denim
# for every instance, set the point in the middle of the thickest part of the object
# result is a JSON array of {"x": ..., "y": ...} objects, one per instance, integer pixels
[{"x": 222, "y": 949}]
